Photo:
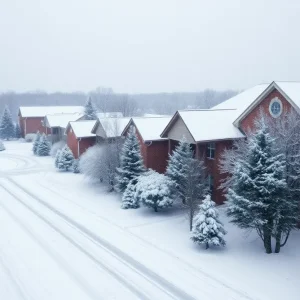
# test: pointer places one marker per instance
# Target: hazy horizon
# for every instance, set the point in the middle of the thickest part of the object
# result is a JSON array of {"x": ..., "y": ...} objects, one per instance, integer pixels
[{"x": 147, "y": 47}]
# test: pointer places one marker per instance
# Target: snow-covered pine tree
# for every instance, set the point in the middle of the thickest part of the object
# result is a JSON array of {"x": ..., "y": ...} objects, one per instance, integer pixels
[
  {"x": 36, "y": 143},
  {"x": 75, "y": 166},
  {"x": 194, "y": 186},
  {"x": 2, "y": 147},
  {"x": 66, "y": 159},
  {"x": 258, "y": 187},
  {"x": 44, "y": 147},
  {"x": 128, "y": 199},
  {"x": 7, "y": 127},
  {"x": 90, "y": 112},
  {"x": 18, "y": 134},
  {"x": 207, "y": 228},
  {"x": 131, "y": 161},
  {"x": 177, "y": 167},
  {"x": 154, "y": 190},
  {"x": 57, "y": 158}
]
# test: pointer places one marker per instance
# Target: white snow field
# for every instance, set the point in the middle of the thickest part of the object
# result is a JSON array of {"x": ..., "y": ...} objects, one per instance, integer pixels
[{"x": 64, "y": 237}]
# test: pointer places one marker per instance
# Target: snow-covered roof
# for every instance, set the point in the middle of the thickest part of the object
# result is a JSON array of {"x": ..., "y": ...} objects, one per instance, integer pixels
[
  {"x": 241, "y": 101},
  {"x": 150, "y": 128},
  {"x": 291, "y": 89},
  {"x": 42, "y": 111},
  {"x": 111, "y": 114},
  {"x": 207, "y": 124},
  {"x": 113, "y": 127},
  {"x": 212, "y": 124},
  {"x": 61, "y": 120},
  {"x": 82, "y": 128}
]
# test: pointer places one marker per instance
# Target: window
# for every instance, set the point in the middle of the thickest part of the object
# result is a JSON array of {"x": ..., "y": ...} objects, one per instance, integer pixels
[
  {"x": 55, "y": 130},
  {"x": 210, "y": 150},
  {"x": 275, "y": 107},
  {"x": 211, "y": 182}
]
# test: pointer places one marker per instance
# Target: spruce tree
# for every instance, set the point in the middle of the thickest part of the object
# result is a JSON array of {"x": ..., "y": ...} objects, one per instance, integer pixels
[
  {"x": 131, "y": 161},
  {"x": 177, "y": 167},
  {"x": 57, "y": 158},
  {"x": 7, "y": 127},
  {"x": 66, "y": 159},
  {"x": 207, "y": 228},
  {"x": 258, "y": 187},
  {"x": 44, "y": 147},
  {"x": 18, "y": 134},
  {"x": 90, "y": 112},
  {"x": 36, "y": 143},
  {"x": 128, "y": 199},
  {"x": 75, "y": 166}
]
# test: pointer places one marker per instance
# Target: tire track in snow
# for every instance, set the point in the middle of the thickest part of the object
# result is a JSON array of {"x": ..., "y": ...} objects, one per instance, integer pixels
[
  {"x": 159, "y": 282},
  {"x": 241, "y": 293},
  {"x": 54, "y": 255},
  {"x": 14, "y": 279}
]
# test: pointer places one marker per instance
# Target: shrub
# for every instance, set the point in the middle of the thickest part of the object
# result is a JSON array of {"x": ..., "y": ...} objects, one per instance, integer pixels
[
  {"x": 57, "y": 146},
  {"x": 30, "y": 137},
  {"x": 154, "y": 190},
  {"x": 2, "y": 147}
]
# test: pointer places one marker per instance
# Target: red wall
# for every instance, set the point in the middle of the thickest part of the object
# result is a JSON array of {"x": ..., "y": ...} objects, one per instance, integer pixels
[
  {"x": 32, "y": 125},
  {"x": 155, "y": 153},
  {"x": 248, "y": 122},
  {"x": 212, "y": 166},
  {"x": 84, "y": 143}
]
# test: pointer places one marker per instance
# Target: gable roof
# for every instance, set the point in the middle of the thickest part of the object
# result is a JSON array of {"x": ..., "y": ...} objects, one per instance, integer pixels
[
  {"x": 247, "y": 100},
  {"x": 149, "y": 128},
  {"x": 42, "y": 111},
  {"x": 61, "y": 120},
  {"x": 82, "y": 129},
  {"x": 241, "y": 101},
  {"x": 204, "y": 124},
  {"x": 112, "y": 127}
]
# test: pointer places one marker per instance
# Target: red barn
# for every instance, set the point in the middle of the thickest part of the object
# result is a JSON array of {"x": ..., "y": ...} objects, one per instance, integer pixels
[
  {"x": 154, "y": 148},
  {"x": 31, "y": 118},
  {"x": 211, "y": 131},
  {"x": 80, "y": 136}
]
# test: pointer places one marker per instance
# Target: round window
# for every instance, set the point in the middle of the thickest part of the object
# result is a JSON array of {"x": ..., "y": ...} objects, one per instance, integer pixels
[{"x": 275, "y": 107}]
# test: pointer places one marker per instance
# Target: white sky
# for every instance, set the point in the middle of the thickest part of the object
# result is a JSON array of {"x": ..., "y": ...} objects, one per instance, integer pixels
[{"x": 147, "y": 45}]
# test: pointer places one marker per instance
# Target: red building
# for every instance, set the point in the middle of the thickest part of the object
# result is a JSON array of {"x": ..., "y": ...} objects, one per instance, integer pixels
[
  {"x": 211, "y": 131},
  {"x": 154, "y": 148},
  {"x": 80, "y": 136},
  {"x": 31, "y": 118}
]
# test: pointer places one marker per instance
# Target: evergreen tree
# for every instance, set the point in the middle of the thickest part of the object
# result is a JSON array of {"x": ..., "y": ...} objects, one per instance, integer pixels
[
  {"x": 128, "y": 199},
  {"x": 7, "y": 127},
  {"x": 18, "y": 134},
  {"x": 44, "y": 147},
  {"x": 66, "y": 159},
  {"x": 131, "y": 161},
  {"x": 207, "y": 228},
  {"x": 57, "y": 158},
  {"x": 178, "y": 167},
  {"x": 258, "y": 187},
  {"x": 36, "y": 143},
  {"x": 75, "y": 166},
  {"x": 90, "y": 112}
]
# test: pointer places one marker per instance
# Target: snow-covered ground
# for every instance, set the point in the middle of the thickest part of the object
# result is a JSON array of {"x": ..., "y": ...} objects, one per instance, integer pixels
[{"x": 64, "y": 237}]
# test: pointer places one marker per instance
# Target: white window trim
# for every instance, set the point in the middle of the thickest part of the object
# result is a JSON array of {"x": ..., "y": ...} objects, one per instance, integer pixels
[
  {"x": 211, "y": 147},
  {"x": 276, "y": 99}
]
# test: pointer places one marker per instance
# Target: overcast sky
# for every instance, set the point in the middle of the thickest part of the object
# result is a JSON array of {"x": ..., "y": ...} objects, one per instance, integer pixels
[{"x": 147, "y": 45}]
